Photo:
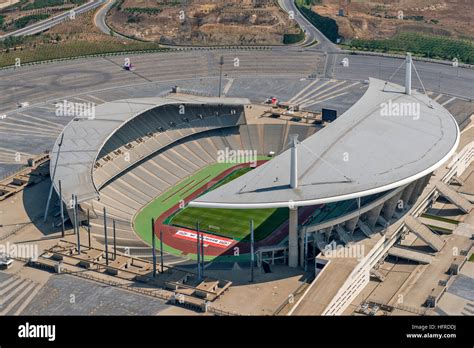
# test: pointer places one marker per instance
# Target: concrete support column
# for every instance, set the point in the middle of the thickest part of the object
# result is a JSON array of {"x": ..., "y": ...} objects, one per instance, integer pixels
[
  {"x": 389, "y": 207},
  {"x": 372, "y": 216},
  {"x": 407, "y": 192},
  {"x": 302, "y": 254},
  {"x": 416, "y": 191},
  {"x": 427, "y": 180},
  {"x": 327, "y": 233},
  {"x": 351, "y": 224},
  {"x": 293, "y": 238},
  {"x": 420, "y": 185}
]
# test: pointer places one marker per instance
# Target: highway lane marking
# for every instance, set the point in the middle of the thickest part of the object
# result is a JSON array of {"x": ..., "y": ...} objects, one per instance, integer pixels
[
  {"x": 321, "y": 100},
  {"x": 302, "y": 98},
  {"x": 13, "y": 151},
  {"x": 18, "y": 122},
  {"x": 25, "y": 127},
  {"x": 437, "y": 97},
  {"x": 310, "y": 101},
  {"x": 302, "y": 91},
  {"x": 227, "y": 86},
  {"x": 85, "y": 100},
  {"x": 310, "y": 97},
  {"x": 333, "y": 92},
  {"x": 47, "y": 107},
  {"x": 8, "y": 133},
  {"x": 41, "y": 120},
  {"x": 97, "y": 98},
  {"x": 448, "y": 101}
]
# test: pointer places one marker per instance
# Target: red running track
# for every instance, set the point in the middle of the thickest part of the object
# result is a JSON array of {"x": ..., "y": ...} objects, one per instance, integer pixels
[{"x": 188, "y": 246}]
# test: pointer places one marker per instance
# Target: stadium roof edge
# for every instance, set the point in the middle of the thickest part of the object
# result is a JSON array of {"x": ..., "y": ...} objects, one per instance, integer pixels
[
  {"x": 83, "y": 138},
  {"x": 365, "y": 151}
]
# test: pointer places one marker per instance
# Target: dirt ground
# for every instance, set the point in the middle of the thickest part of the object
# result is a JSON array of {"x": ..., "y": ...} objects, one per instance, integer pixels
[
  {"x": 220, "y": 22},
  {"x": 376, "y": 19}
]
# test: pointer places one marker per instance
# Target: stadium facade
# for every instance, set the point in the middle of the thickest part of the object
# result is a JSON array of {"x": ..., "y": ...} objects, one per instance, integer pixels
[{"x": 359, "y": 173}]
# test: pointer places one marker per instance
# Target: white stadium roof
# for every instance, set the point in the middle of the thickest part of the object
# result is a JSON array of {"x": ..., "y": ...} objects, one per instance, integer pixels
[
  {"x": 84, "y": 138},
  {"x": 363, "y": 152}
]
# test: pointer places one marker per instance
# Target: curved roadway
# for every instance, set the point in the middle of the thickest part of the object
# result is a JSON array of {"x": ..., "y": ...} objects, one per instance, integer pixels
[
  {"x": 312, "y": 34},
  {"x": 39, "y": 27}
]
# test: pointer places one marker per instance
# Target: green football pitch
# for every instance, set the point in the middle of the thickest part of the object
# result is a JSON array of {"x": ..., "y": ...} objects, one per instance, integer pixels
[{"x": 233, "y": 223}]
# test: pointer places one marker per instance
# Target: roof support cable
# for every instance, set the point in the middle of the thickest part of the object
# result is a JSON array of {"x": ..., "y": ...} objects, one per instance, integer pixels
[
  {"x": 422, "y": 85},
  {"x": 390, "y": 78}
]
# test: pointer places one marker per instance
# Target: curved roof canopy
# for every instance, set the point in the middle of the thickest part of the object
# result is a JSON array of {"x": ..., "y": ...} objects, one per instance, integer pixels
[
  {"x": 385, "y": 140},
  {"x": 83, "y": 138}
]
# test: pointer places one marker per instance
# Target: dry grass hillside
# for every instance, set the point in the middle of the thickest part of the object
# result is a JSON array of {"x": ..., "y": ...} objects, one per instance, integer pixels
[
  {"x": 377, "y": 19},
  {"x": 218, "y": 22}
]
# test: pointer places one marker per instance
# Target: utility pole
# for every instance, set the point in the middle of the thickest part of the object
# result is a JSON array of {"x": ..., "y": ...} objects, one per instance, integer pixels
[
  {"x": 89, "y": 228},
  {"x": 76, "y": 225},
  {"x": 198, "y": 251},
  {"x": 161, "y": 250},
  {"x": 306, "y": 251},
  {"x": 106, "y": 242},
  {"x": 221, "y": 63},
  {"x": 202, "y": 255},
  {"x": 252, "y": 252},
  {"x": 62, "y": 209},
  {"x": 115, "y": 241},
  {"x": 153, "y": 242}
]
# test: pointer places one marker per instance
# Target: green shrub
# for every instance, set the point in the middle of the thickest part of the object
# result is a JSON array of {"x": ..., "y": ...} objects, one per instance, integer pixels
[
  {"x": 42, "y": 3},
  {"x": 289, "y": 39},
  {"x": 145, "y": 10},
  {"x": 325, "y": 25},
  {"x": 425, "y": 45},
  {"x": 133, "y": 19},
  {"x": 24, "y": 21}
]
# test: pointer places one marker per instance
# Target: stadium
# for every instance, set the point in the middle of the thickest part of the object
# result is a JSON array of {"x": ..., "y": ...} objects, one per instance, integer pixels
[
  {"x": 310, "y": 188},
  {"x": 161, "y": 152},
  {"x": 307, "y": 178},
  {"x": 149, "y": 158}
]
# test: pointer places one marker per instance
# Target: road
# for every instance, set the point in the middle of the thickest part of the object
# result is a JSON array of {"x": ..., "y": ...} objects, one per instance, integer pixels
[
  {"x": 51, "y": 22},
  {"x": 100, "y": 19},
  {"x": 312, "y": 34},
  {"x": 279, "y": 71}
]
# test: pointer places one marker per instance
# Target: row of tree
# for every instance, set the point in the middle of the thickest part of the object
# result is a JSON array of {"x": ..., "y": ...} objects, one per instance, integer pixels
[{"x": 425, "y": 45}]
